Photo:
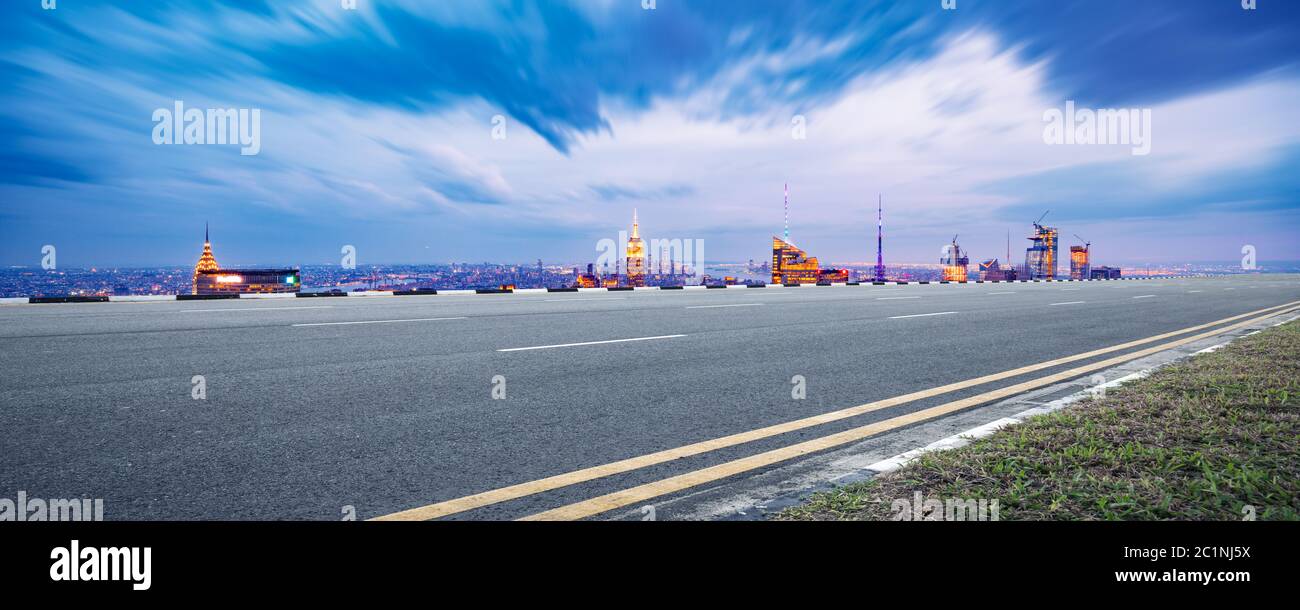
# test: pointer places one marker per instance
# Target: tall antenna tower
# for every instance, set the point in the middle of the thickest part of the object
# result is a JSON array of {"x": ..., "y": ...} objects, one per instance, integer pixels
[
  {"x": 787, "y": 212},
  {"x": 880, "y": 238}
]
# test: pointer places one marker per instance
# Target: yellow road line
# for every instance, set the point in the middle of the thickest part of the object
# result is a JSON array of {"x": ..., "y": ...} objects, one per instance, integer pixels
[
  {"x": 641, "y": 493},
  {"x": 512, "y": 492}
]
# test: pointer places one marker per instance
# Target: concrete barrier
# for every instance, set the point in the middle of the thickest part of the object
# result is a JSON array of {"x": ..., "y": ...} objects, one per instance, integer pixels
[{"x": 429, "y": 291}]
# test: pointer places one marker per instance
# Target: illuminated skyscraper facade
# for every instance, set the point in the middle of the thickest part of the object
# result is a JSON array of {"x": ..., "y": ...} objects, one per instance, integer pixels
[
  {"x": 635, "y": 255},
  {"x": 790, "y": 265},
  {"x": 1080, "y": 267}
]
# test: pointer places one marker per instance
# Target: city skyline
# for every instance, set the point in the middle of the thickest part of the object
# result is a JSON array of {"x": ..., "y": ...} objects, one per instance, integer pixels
[{"x": 941, "y": 111}]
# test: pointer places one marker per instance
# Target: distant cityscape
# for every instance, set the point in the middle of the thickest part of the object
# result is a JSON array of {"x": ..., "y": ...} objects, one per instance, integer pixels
[
  {"x": 640, "y": 266},
  {"x": 121, "y": 281}
]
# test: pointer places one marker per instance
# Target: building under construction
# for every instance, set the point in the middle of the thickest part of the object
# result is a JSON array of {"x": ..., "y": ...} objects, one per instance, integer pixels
[
  {"x": 1040, "y": 257},
  {"x": 993, "y": 271},
  {"x": 955, "y": 263},
  {"x": 1079, "y": 263}
]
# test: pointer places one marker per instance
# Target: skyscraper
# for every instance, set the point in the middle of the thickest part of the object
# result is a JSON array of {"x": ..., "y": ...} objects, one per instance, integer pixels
[
  {"x": 207, "y": 262},
  {"x": 790, "y": 265},
  {"x": 635, "y": 255}
]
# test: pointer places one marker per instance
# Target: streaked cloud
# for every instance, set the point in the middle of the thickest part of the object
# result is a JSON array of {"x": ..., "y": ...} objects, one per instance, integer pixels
[{"x": 377, "y": 124}]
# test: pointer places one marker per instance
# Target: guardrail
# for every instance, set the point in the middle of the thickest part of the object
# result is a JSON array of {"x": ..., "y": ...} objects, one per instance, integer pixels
[{"x": 474, "y": 291}]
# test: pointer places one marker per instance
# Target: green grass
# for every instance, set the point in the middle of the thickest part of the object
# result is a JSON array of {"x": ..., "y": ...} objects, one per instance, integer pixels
[{"x": 1197, "y": 440}]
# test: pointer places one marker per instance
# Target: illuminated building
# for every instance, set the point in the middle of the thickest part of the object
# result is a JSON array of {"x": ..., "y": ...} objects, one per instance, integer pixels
[
  {"x": 210, "y": 278},
  {"x": 247, "y": 280},
  {"x": 1040, "y": 257},
  {"x": 635, "y": 255},
  {"x": 790, "y": 265},
  {"x": 992, "y": 270},
  {"x": 207, "y": 262},
  {"x": 954, "y": 263},
  {"x": 588, "y": 279},
  {"x": 832, "y": 276},
  {"x": 1104, "y": 273},
  {"x": 1079, "y": 260}
]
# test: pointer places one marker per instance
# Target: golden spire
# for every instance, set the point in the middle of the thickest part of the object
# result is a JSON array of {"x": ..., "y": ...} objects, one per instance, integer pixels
[{"x": 207, "y": 262}]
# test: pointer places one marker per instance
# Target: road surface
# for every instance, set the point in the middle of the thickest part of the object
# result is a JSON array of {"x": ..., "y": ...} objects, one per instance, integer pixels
[{"x": 385, "y": 404}]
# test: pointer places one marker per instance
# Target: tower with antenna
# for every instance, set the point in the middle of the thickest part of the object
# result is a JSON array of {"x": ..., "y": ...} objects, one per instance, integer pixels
[
  {"x": 786, "y": 235},
  {"x": 880, "y": 238}
]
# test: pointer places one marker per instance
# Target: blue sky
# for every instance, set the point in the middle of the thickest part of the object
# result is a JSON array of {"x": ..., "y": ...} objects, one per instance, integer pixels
[{"x": 376, "y": 127}]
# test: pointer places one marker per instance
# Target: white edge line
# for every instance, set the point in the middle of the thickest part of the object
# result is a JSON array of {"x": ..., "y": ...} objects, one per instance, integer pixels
[
  {"x": 964, "y": 438},
  {"x": 922, "y": 315},
  {"x": 521, "y": 349}
]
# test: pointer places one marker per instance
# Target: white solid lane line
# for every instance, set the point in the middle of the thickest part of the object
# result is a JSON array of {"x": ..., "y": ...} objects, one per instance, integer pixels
[
  {"x": 735, "y": 305},
  {"x": 1002, "y": 292},
  {"x": 1070, "y": 303},
  {"x": 521, "y": 349},
  {"x": 894, "y": 298},
  {"x": 592, "y": 299},
  {"x": 1145, "y": 296},
  {"x": 378, "y": 321},
  {"x": 255, "y": 308},
  {"x": 1191, "y": 291},
  {"x": 922, "y": 315}
]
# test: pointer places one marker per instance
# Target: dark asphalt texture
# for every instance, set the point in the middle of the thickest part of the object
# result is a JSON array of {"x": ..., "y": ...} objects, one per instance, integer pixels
[{"x": 300, "y": 421}]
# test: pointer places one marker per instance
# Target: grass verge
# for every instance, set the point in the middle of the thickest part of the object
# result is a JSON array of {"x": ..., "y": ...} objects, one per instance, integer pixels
[{"x": 1207, "y": 438}]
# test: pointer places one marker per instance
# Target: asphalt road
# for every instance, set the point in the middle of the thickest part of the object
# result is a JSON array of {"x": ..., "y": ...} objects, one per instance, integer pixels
[{"x": 385, "y": 403}]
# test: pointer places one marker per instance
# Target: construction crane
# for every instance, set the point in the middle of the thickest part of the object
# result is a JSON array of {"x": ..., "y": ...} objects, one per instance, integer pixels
[
  {"x": 1080, "y": 260},
  {"x": 1040, "y": 218}
]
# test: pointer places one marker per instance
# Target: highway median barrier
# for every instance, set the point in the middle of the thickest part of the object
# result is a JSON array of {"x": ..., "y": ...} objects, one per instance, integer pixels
[{"x": 471, "y": 291}]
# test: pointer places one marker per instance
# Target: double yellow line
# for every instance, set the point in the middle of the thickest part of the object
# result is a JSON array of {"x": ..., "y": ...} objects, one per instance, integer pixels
[{"x": 655, "y": 489}]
